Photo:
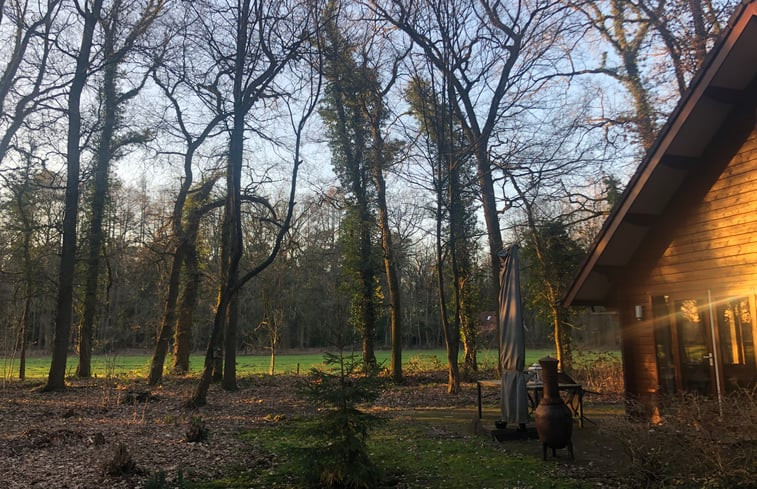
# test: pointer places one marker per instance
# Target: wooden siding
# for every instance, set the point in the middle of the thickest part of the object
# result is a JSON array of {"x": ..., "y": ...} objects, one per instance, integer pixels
[
  {"x": 715, "y": 244},
  {"x": 708, "y": 243},
  {"x": 638, "y": 348}
]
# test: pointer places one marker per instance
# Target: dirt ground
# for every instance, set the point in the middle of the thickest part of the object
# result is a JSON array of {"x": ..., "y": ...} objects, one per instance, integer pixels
[{"x": 65, "y": 440}]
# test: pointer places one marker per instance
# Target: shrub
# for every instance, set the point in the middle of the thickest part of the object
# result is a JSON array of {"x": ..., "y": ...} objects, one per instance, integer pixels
[
  {"x": 599, "y": 371},
  {"x": 338, "y": 456},
  {"x": 694, "y": 445},
  {"x": 423, "y": 362}
]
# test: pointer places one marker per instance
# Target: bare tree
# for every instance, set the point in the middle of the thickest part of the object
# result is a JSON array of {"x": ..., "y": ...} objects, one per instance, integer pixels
[
  {"x": 21, "y": 205},
  {"x": 272, "y": 325},
  {"x": 349, "y": 139},
  {"x": 625, "y": 28},
  {"x": 90, "y": 14},
  {"x": 179, "y": 83},
  {"x": 199, "y": 206},
  {"x": 491, "y": 53},
  {"x": 553, "y": 164},
  {"x": 451, "y": 164},
  {"x": 687, "y": 28},
  {"x": 25, "y": 84},
  {"x": 383, "y": 156},
  {"x": 649, "y": 47},
  {"x": 121, "y": 37},
  {"x": 266, "y": 39}
]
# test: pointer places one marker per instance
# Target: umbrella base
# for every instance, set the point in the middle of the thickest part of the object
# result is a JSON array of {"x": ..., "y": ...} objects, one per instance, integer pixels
[{"x": 524, "y": 433}]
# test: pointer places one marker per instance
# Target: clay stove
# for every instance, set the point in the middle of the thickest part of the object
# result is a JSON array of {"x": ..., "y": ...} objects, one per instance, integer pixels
[{"x": 554, "y": 421}]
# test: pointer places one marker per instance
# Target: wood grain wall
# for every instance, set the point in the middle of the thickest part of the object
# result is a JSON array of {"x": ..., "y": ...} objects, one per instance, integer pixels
[{"x": 708, "y": 241}]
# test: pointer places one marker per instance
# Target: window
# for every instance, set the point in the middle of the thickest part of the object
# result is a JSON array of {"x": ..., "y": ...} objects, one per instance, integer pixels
[{"x": 735, "y": 326}]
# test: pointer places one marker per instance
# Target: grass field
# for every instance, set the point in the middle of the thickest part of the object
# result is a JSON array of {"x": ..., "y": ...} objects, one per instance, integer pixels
[{"x": 135, "y": 365}]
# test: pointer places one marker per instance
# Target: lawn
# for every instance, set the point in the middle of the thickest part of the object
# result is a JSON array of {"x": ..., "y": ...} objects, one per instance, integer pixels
[
  {"x": 136, "y": 365},
  {"x": 414, "y": 454}
]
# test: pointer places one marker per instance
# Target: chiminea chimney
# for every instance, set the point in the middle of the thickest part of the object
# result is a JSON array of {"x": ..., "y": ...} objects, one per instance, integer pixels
[{"x": 554, "y": 421}]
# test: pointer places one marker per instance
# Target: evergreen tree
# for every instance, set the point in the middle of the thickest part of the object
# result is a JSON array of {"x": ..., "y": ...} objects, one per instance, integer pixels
[{"x": 339, "y": 456}]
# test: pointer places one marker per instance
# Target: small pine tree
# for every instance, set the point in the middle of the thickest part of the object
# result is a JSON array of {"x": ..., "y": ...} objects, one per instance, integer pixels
[{"x": 338, "y": 457}]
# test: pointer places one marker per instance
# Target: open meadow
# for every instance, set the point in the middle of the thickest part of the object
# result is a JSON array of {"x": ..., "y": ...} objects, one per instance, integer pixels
[{"x": 135, "y": 364}]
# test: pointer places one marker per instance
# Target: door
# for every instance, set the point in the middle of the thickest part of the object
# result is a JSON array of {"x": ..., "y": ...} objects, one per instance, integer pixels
[{"x": 695, "y": 347}]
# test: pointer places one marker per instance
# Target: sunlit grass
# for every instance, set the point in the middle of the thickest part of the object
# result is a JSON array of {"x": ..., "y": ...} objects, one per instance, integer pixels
[{"x": 136, "y": 365}]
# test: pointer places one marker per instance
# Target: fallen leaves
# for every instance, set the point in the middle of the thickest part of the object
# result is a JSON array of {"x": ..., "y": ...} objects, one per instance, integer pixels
[{"x": 65, "y": 440}]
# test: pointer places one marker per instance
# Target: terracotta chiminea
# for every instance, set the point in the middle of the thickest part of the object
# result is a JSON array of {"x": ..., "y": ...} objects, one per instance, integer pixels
[{"x": 554, "y": 421}]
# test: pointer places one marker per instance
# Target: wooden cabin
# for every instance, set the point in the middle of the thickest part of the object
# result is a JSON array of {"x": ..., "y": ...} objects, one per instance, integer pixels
[{"x": 677, "y": 257}]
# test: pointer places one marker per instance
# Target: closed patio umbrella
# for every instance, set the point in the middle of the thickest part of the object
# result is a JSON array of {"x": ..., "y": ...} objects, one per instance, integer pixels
[{"x": 514, "y": 397}]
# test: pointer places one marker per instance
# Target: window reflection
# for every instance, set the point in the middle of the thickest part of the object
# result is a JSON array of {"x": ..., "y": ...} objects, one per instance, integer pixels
[
  {"x": 692, "y": 331},
  {"x": 735, "y": 325}
]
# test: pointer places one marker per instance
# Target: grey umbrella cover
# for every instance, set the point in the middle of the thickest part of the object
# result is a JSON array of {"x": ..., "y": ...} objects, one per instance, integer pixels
[{"x": 514, "y": 397}]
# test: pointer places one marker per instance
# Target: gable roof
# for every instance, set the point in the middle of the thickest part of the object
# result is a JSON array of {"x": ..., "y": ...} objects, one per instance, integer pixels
[{"x": 725, "y": 80}]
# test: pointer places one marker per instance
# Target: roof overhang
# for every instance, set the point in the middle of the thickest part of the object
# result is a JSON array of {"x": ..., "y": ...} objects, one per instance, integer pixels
[{"x": 725, "y": 81}]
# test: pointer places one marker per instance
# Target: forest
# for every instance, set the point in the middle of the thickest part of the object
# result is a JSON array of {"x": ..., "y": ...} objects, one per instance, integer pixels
[{"x": 240, "y": 176}]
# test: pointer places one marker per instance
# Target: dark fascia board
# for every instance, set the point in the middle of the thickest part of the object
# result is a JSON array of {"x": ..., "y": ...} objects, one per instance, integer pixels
[{"x": 700, "y": 87}]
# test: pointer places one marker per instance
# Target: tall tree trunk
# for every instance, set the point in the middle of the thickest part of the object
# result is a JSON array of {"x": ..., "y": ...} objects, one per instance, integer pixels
[
  {"x": 64, "y": 304},
  {"x": 200, "y": 395},
  {"x": 224, "y": 291},
  {"x": 234, "y": 254},
  {"x": 22, "y": 195},
  {"x": 169, "y": 317},
  {"x": 182, "y": 344},
  {"x": 392, "y": 276},
  {"x": 189, "y": 294},
  {"x": 99, "y": 194},
  {"x": 24, "y": 330},
  {"x": 491, "y": 216},
  {"x": 231, "y": 245},
  {"x": 229, "y": 381},
  {"x": 233, "y": 207},
  {"x": 451, "y": 333},
  {"x": 390, "y": 266},
  {"x": 185, "y": 258},
  {"x": 367, "y": 277},
  {"x": 185, "y": 255},
  {"x": 453, "y": 336},
  {"x": 213, "y": 352},
  {"x": 458, "y": 244}
]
